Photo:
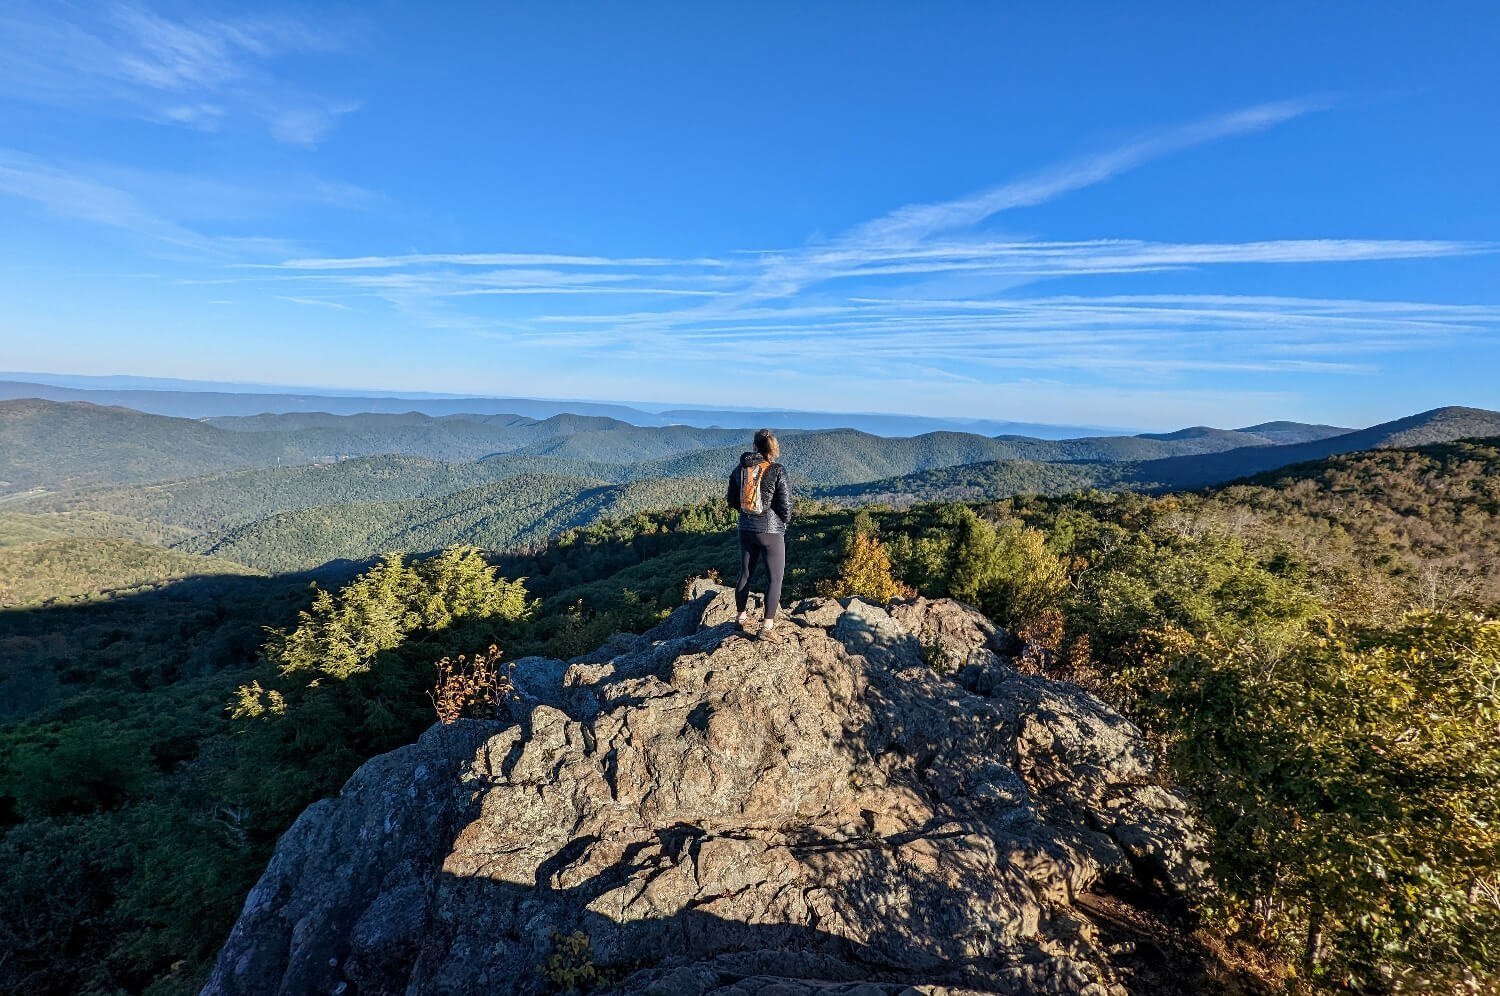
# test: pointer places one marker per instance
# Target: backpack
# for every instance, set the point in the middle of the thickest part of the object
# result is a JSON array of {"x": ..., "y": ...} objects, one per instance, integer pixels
[{"x": 750, "y": 477}]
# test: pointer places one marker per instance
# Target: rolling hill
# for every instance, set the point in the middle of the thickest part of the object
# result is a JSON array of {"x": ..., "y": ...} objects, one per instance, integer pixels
[
  {"x": 220, "y": 501},
  {"x": 841, "y": 456},
  {"x": 51, "y": 444},
  {"x": 55, "y": 446},
  {"x": 1278, "y": 433},
  {"x": 1002, "y": 478},
  {"x": 513, "y": 513},
  {"x": 505, "y": 481},
  {"x": 1192, "y": 441}
]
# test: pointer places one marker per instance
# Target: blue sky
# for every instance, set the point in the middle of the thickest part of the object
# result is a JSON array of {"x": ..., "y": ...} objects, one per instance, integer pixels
[{"x": 1149, "y": 214}]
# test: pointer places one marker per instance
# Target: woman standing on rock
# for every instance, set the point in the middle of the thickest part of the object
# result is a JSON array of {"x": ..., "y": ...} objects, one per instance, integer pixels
[{"x": 759, "y": 489}]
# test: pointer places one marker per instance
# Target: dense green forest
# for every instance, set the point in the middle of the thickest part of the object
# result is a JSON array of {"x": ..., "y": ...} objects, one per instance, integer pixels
[
  {"x": 981, "y": 481},
  {"x": 1274, "y": 637},
  {"x": 516, "y": 512}
]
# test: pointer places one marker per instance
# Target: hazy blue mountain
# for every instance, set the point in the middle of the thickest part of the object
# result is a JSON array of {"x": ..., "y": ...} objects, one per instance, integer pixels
[
  {"x": 839, "y": 456},
  {"x": 1153, "y": 445},
  {"x": 629, "y": 444},
  {"x": 72, "y": 445},
  {"x": 190, "y": 399},
  {"x": 208, "y": 403},
  {"x": 875, "y": 423},
  {"x": 471, "y": 437}
]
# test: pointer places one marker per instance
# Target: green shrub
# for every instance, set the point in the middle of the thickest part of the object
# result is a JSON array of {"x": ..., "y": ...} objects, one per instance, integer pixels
[
  {"x": 570, "y": 967},
  {"x": 340, "y": 636},
  {"x": 1007, "y": 571}
]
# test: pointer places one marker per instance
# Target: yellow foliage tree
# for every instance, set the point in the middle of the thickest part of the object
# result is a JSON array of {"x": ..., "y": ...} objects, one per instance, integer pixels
[{"x": 867, "y": 573}]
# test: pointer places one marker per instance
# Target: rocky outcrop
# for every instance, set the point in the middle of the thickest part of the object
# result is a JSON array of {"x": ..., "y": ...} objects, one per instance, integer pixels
[{"x": 693, "y": 811}]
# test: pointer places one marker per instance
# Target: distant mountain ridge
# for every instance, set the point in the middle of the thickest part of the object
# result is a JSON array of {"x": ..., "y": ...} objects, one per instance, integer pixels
[
  {"x": 51, "y": 445},
  {"x": 216, "y": 402},
  {"x": 46, "y": 444},
  {"x": 1440, "y": 425},
  {"x": 1001, "y": 478},
  {"x": 293, "y": 491}
]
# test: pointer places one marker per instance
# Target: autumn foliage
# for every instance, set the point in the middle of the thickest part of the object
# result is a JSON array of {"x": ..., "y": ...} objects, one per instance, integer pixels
[{"x": 867, "y": 573}]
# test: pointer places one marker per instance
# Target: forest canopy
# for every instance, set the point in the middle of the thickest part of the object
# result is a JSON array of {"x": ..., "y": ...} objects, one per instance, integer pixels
[{"x": 1314, "y": 655}]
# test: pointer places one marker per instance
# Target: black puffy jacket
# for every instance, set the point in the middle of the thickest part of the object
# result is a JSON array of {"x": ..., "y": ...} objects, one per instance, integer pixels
[{"x": 775, "y": 496}]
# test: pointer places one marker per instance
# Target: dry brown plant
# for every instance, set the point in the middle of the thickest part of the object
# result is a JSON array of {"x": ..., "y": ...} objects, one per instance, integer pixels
[{"x": 472, "y": 687}]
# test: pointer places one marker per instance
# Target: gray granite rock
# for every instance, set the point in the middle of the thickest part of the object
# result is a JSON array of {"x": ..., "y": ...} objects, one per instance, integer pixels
[{"x": 813, "y": 812}]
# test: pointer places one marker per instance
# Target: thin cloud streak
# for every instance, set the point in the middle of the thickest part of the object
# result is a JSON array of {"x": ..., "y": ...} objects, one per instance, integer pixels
[
  {"x": 316, "y": 302},
  {"x": 913, "y": 224},
  {"x": 916, "y": 222},
  {"x": 478, "y": 259}
]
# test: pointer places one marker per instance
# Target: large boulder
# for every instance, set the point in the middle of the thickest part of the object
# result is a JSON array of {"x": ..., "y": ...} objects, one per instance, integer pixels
[{"x": 819, "y": 811}]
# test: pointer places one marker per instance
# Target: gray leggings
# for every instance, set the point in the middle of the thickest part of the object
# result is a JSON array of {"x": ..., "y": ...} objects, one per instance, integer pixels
[{"x": 754, "y": 546}]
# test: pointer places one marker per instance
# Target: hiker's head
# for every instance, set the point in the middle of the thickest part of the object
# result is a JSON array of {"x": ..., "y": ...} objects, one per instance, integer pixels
[{"x": 766, "y": 444}]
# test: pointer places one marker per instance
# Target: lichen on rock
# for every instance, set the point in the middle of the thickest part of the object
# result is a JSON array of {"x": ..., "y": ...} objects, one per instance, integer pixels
[{"x": 818, "y": 811}]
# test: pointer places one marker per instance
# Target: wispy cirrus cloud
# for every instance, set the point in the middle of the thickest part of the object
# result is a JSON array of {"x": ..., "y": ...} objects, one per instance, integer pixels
[
  {"x": 197, "y": 70},
  {"x": 480, "y": 259},
  {"x": 909, "y": 228},
  {"x": 928, "y": 285},
  {"x": 863, "y": 297},
  {"x": 174, "y": 209},
  {"x": 878, "y": 311},
  {"x": 917, "y": 222},
  {"x": 71, "y": 195},
  {"x": 1151, "y": 336}
]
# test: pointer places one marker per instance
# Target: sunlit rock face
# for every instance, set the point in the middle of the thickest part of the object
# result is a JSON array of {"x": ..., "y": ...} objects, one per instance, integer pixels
[{"x": 695, "y": 811}]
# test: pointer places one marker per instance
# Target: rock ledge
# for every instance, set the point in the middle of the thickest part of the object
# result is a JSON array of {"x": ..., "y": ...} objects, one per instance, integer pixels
[{"x": 692, "y": 811}]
